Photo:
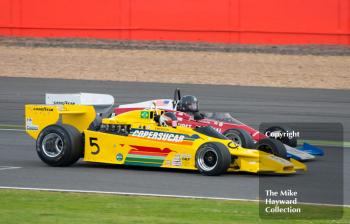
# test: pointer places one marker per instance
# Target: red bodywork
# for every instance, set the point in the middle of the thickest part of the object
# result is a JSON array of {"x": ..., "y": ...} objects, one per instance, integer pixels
[{"x": 187, "y": 120}]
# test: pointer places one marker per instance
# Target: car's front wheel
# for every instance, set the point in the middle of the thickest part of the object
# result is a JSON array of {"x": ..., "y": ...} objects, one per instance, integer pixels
[
  {"x": 272, "y": 146},
  {"x": 59, "y": 145},
  {"x": 240, "y": 137},
  {"x": 213, "y": 159},
  {"x": 292, "y": 141}
]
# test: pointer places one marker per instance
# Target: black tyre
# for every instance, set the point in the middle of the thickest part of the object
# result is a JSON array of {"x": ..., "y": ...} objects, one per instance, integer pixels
[
  {"x": 59, "y": 145},
  {"x": 292, "y": 142},
  {"x": 213, "y": 159},
  {"x": 241, "y": 137},
  {"x": 272, "y": 146}
]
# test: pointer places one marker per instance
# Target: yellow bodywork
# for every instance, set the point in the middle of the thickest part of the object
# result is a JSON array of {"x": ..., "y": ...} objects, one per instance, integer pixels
[{"x": 135, "y": 138}]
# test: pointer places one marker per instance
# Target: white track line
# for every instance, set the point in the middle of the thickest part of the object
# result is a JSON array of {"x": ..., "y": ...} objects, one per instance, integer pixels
[
  {"x": 8, "y": 129},
  {"x": 9, "y": 167},
  {"x": 151, "y": 195}
]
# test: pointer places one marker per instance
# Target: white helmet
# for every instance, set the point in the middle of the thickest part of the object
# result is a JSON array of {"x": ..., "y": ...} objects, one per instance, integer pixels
[{"x": 168, "y": 119}]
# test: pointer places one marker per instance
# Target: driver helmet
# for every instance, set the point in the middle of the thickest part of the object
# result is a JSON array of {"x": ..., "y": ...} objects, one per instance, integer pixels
[
  {"x": 168, "y": 119},
  {"x": 188, "y": 104}
]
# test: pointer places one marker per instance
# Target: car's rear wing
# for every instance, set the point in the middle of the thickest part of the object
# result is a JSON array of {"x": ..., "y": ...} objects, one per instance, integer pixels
[
  {"x": 102, "y": 102},
  {"x": 76, "y": 109},
  {"x": 37, "y": 117}
]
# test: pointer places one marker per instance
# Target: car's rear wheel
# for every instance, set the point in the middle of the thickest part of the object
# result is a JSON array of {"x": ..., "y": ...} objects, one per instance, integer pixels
[
  {"x": 213, "y": 159},
  {"x": 292, "y": 142},
  {"x": 272, "y": 146},
  {"x": 59, "y": 145},
  {"x": 240, "y": 137}
]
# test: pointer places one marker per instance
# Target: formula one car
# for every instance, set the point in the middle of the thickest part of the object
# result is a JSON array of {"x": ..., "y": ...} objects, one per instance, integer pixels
[
  {"x": 186, "y": 109},
  {"x": 147, "y": 137}
]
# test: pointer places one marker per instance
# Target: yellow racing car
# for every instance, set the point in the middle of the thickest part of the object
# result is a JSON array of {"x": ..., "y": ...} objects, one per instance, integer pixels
[{"x": 64, "y": 133}]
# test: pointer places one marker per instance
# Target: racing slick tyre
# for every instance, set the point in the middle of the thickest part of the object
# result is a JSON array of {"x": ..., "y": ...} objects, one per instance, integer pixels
[
  {"x": 241, "y": 137},
  {"x": 292, "y": 142},
  {"x": 59, "y": 145},
  {"x": 272, "y": 146},
  {"x": 213, "y": 159}
]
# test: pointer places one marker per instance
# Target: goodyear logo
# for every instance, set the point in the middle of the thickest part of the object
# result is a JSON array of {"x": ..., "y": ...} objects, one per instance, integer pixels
[
  {"x": 144, "y": 114},
  {"x": 43, "y": 109},
  {"x": 156, "y": 135}
]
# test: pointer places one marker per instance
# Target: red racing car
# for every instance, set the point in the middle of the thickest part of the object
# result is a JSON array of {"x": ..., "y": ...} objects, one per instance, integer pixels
[{"x": 187, "y": 113}]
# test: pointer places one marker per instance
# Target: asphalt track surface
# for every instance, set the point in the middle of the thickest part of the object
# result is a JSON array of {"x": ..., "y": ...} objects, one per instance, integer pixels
[{"x": 249, "y": 104}]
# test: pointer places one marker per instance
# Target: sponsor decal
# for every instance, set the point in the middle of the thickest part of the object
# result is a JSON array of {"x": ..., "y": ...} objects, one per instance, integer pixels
[
  {"x": 43, "y": 109},
  {"x": 63, "y": 102},
  {"x": 167, "y": 162},
  {"x": 157, "y": 135},
  {"x": 176, "y": 161},
  {"x": 165, "y": 129},
  {"x": 232, "y": 145},
  {"x": 185, "y": 157},
  {"x": 144, "y": 114},
  {"x": 30, "y": 126},
  {"x": 119, "y": 157},
  {"x": 146, "y": 156},
  {"x": 185, "y": 125}
]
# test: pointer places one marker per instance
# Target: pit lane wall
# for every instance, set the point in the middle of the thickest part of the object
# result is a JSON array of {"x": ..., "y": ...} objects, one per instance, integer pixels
[{"x": 224, "y": 21}]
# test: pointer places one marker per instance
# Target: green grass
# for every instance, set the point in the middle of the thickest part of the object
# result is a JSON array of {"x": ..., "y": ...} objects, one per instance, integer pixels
[{"x": 19, "y": 206}]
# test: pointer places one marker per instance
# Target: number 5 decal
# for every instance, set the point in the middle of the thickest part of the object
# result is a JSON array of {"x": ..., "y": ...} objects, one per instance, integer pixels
[{"x": 94, "y": 144}]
